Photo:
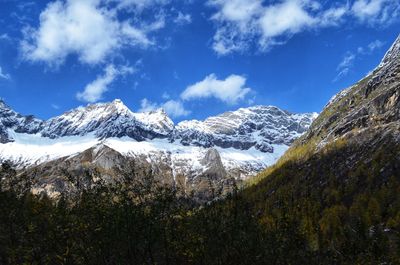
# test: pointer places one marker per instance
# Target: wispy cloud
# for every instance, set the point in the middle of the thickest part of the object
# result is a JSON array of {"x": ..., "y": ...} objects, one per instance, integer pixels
[
  {"x": 4, "y": 75},
  {"x": 26, "y": 5},
  {"x": 377, "y": 44},
  {"x": 55, "y": 106},
  {"x": 165, "y": 95},
  {"x": 5, "y": 36},
  {"x": 183, "y": 19},
  {"x": 345, "y": 65},
  {"x": 230, "y": 90},
  {"x": 95, "y": 90},
  {"x": 376, "y": 12},
  {"x": 139, "y": 5},
  {"x": 349, "y": 58}
]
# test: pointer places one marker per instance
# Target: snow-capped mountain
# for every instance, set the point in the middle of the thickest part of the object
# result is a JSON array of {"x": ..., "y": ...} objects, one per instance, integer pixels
[
  {"x": 261, "y": 130},
  {"x": 106, "y": 120},
  {"x": 11, "y": 120},
  {"x": 259, "y": 127},
  {"x": 244, "y": 141}
]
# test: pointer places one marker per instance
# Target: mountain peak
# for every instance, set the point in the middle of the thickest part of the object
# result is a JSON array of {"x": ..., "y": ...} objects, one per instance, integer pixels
[
  {"x": 110, "y": 119},
  {"x": 118, "y": 103},
  {"x": 3, "y": 105},
  {"x": 116, "y": 106},
  {"x": 156, "y": 119},
  {"x": 392, "y": 55},
  {"x": 159, "y": 111}
]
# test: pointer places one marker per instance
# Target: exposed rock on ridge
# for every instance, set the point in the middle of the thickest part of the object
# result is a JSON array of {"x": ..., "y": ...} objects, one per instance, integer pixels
[{"x": 371, "y": 104}]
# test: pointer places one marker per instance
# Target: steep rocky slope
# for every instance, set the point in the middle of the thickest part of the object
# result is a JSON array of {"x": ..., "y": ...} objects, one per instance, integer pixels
[
  {"x": 371, "y": 105},
  {"x": 361, "y": 120}
]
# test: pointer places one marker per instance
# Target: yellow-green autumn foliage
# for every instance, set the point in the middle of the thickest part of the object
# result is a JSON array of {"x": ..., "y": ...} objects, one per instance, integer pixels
[{"x": 311, "y": 208}]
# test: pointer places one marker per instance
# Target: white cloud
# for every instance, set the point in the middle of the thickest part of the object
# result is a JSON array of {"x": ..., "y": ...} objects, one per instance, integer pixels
[
  {"x": 377, "y": 44},
  {"x": 332, "y": 16},
  {"x": 174, "y": 108},
  {"x": 175, "y": 75},
  {"x": 139, "y": 5},
  {"x": 86, "y": 28},
  {"x": 242, "y": 24},
  {"x": 376, "y": 11},
  {"x": 230, "y": 90},
  {"x": 236, "y": 23},
  {"x": 165, "y": 95},
  {"x": 239, "y": 11},
  {"x": 286, "y": 17},
  {"x": 345, "y": 65},
  {"x": 95, "y": 90},
  {"x": 5, "y": 36},
  {"x": 370, "y": 48},
  {"x": 347, "y": 61},
  {"x": 367, "y": 8},
  {"x": 4, "y": 75},
  {"x": 146, "y": 105},
  {"x": 55, "y": 106},
  {"x": 183, "y": 19}
]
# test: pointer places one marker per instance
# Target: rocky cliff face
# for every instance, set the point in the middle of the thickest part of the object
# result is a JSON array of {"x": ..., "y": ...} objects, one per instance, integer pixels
[
  {"x": 102, "y": 166},
  {"x": 370, "y": 106}
]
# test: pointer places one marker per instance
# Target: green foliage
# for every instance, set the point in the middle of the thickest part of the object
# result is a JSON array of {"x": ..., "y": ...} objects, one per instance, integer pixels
[{"x": 310, "y": 209}]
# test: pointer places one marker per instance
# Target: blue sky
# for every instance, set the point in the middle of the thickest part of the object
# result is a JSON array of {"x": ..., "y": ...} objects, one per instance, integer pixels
[{"x": 193, "y": 58}]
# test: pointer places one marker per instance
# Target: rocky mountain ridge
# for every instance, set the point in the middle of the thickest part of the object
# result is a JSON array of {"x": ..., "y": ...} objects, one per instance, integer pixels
[
  {"x": 191, "y": 154},
  {"x": 372, "y": 104},
  {"x": 9, "y": 119},
  {"x": 258, "y": 126}
]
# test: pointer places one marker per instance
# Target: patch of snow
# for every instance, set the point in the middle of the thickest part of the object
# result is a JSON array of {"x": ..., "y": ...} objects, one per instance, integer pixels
[
  {"x": 28, "y": 149},
  {"x": 231, "y": 158},
  {"x": 338, "y": 96},
  {"x": 32, "y": 149},
  {"x": 391, "y": 54}
]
